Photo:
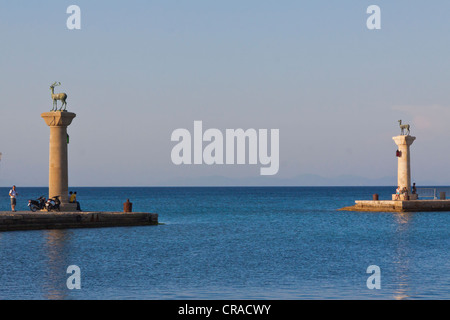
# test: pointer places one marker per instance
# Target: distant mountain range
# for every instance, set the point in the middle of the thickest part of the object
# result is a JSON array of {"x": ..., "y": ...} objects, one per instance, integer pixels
[
  {"x": 303, "y": 180},
  {"x": 300, "y": 180}
]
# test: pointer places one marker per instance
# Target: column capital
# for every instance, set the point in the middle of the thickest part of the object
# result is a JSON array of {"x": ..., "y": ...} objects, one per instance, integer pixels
[
  {"x": 404, "y": 140},
  {"x": 58, "y": 118}
]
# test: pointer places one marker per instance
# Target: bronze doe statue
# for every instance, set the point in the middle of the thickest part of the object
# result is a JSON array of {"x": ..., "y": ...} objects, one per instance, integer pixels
[
  {"x": 404, "y": 127},
  {"x": 59, "y": 96}
]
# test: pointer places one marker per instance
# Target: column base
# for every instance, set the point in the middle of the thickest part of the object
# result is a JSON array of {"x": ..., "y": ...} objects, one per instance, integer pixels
[
  {"x": 404, "y": 197},
  {"x": 68, "y": 207}
]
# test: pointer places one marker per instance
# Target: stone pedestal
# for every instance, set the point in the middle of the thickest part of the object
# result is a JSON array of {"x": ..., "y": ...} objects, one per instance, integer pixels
[
  {"x": 403, "y": 197},
  {"x": 404, "y": 161},
  {"x": 58, "y": 184}
]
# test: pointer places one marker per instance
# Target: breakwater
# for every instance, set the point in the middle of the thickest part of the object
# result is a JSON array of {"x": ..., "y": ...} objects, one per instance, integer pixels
[{"x": 15, "y": 221}]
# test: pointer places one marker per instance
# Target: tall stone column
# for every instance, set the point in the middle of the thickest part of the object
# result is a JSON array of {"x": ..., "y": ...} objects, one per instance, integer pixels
[
  {"x": 58, "y": 182},
  {"x": 404, "y": 161}
]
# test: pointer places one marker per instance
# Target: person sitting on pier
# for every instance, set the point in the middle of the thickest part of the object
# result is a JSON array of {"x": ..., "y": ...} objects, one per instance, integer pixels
[
  {"x": 405, "y": 194},
  {"x": 73, "y": 199}
]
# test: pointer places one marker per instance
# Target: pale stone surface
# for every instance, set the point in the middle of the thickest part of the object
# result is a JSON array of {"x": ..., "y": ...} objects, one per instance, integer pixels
[
  {"x": 27, "y": 220},
  {"x": 403, "y": 197},
  {"x": 58, "y": 184},
  {"x": 404, "y": 161},
  {"x": 399, "y": 206},
  {"x": 68, "y": 207}
]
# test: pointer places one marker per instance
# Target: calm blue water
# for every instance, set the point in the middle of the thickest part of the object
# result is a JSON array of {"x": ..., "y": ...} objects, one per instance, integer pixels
[{"x": 232, "y": 243}]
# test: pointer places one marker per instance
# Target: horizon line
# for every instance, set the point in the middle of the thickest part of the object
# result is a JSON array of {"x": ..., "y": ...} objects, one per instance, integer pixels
[{"x": 236, "y": 186}]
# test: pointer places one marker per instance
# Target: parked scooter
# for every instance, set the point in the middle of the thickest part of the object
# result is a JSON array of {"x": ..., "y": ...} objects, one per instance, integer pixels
[
  {"x": 53, "y": 204},
  {"x": 38, "y": 204}
]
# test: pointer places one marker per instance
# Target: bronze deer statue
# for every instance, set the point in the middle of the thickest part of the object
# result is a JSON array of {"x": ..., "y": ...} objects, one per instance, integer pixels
[
  {"x": 404, "y": 127},
  {"x": 59, "y": 96}
]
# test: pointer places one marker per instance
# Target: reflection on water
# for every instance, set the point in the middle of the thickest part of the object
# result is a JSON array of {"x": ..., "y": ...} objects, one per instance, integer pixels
[
  {"x": 55, "y": 247},
  {"x": 402, "y": 255},
  {"x": 233, "y": 243}
]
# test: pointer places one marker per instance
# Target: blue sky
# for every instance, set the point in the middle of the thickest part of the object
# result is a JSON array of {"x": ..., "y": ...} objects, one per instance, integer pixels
[{"x": 138, "y": 70}]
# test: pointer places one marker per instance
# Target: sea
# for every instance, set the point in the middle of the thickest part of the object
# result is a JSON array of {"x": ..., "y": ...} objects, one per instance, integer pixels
[{"x": 231, "y": 243}]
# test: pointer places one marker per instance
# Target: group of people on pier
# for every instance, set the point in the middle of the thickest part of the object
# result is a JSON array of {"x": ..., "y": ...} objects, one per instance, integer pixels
[
  {"x": 13, "y": 194},
  {"x": 404, "y": 191}
]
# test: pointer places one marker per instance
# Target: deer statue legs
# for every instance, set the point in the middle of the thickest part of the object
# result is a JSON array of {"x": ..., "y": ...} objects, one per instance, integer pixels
[
  {"x": 55, "y": 106},
  {"x": 63, "y": 104}
]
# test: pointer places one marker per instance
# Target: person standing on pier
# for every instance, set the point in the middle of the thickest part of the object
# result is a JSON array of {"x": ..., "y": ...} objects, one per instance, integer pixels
[
  {"x": 13, "y": 195},
  {"x": 414, "y": 189},
  {"x": 397, "y": 193}
]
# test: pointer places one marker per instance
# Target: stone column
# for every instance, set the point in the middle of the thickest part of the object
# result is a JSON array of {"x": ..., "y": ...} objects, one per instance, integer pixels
[
  {"x": 404, "y": 161},
  {"x": 58, "y": 177}
]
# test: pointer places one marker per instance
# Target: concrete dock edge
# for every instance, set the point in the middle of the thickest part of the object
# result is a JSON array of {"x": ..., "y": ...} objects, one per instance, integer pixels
[
  {"x": 399, "y": 206},
  {"x": 17, "y": 221}
]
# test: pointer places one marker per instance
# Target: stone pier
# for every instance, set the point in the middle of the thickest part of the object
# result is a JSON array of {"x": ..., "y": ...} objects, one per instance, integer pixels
[
  {"x": 58, "y": 184},
  {"x": 26, "y": 220},
  {"x": 399, "y": 206}
]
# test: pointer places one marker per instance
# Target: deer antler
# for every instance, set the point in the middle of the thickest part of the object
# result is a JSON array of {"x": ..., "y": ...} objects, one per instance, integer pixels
[{"x": 56, "y": 83}]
